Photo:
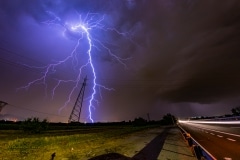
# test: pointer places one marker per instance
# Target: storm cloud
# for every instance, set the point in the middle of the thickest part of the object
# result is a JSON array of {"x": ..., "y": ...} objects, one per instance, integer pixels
[{"x": 178, "y": 53}]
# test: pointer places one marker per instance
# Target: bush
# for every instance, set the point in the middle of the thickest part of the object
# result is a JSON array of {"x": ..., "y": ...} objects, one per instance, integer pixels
[
  {"x": 139, "y": 121},
  {"x": 34, "y": 125},
  {"x": 168, "y": 119}
]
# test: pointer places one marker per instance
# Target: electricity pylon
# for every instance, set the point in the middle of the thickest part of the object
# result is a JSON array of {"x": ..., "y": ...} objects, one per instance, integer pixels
[
  {"x": 2, "y": 104},
  {"x": 76, "y": 111}
]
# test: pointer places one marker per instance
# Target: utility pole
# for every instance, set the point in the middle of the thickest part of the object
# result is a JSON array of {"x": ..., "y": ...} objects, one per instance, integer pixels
[
  {"x": 148, "y": 116},
  {"x": 173, "y": 121},
  {"x": 76, "y": 111}
]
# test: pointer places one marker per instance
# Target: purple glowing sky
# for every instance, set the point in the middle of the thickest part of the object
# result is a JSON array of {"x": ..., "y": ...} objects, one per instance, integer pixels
[{"x": 182, "y": 57}]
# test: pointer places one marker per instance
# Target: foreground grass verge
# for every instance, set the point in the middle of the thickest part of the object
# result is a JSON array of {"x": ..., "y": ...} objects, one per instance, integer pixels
[{"x": 80, "y": 144}]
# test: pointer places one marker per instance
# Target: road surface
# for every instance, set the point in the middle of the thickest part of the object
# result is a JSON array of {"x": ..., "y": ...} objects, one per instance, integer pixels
[{"x": 221, "y": 140}]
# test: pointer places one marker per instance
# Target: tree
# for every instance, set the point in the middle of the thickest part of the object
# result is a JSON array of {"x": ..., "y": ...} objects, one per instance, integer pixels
[
  {"x": 236, "y": 111},
  {"x": 169, "y": 119},
  {"x": 139, "y": 121},
  {"x": 34, "y": 125}
]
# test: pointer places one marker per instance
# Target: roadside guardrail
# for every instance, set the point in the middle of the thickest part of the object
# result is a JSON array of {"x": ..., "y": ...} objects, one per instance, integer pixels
[{"x": 199, "y": 151}]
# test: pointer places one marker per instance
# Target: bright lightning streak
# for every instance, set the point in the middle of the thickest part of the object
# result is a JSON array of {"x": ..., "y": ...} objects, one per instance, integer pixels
[
  {"x": 82, "y": 29},
  {"x": 93, "y": 70}
]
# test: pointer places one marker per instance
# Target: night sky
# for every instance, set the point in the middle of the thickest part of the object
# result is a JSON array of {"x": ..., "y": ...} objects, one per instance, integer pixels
[{"x": 175, "y": 56}]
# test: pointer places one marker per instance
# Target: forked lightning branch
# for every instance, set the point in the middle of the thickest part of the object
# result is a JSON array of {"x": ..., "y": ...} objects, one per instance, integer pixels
[{"x": 83, "y": 28}]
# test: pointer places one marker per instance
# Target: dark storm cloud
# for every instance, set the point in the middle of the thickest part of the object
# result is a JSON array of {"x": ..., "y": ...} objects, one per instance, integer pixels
[
  {"x": 17, "y": 15},
  {"x": 183, "y": 52},
  {"x": 39, "y": 9},
  {"x": 194, "y": 49},
  {"x": 26, "y": 39}
]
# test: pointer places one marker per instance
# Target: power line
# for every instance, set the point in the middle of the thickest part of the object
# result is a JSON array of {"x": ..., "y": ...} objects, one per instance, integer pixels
[
  {"x": 51, "y": 114},
  {"x": 19, "y": 55},
  {"x": 24, "y": 108}
]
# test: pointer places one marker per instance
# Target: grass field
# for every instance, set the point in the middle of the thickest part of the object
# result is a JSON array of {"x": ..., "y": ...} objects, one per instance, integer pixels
[{"x": 78, "y": 144}]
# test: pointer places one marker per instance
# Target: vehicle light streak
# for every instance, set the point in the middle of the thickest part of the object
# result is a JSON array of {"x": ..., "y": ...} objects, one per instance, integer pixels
[{"x": 209, "y": 122}]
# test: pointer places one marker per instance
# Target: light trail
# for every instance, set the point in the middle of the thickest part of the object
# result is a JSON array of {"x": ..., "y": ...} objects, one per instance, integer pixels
[
  {"x": 209, "y": 122},
  {"x": 207, "y": 130},
  {"x": 82, "y": 29}
]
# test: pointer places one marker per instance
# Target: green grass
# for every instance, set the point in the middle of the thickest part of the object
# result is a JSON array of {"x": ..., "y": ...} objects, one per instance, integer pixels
[{"x": 15, "y": 145}]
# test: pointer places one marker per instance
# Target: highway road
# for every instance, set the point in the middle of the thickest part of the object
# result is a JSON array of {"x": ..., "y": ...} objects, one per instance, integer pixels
[{"x": 221, "y": 140}]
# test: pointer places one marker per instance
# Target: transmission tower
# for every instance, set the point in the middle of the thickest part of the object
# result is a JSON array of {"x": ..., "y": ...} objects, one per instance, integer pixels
[
  {"x": 76, "y": 112},
  {"x": 2, "y": 104}
]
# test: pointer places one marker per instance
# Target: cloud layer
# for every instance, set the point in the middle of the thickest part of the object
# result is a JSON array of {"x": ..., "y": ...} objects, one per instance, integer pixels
[{"x": 179, "y": 52}]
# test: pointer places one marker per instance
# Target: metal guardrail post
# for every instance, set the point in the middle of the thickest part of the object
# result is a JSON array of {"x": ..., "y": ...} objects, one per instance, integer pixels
[{"x": 199, "y": 151}]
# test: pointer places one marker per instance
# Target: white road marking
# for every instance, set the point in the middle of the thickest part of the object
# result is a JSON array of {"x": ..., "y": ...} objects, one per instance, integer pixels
[
  {"x": 212, "y": 133},
  {"x": 220, "y": 136},
  {"x": 231, "y": 134},
  {"x": 231, "y": 139},
  {"x": 227, "y": 158}
]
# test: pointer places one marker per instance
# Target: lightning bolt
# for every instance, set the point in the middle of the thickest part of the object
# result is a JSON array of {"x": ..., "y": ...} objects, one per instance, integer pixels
[{"x": 82, "y": 30}]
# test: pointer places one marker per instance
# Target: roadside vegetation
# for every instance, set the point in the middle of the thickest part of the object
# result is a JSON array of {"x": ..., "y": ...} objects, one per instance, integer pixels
[
  {"x": 34, "y": 125},
  {"x": 65, "y": 145},
  {"x": 33, "y": 139}
]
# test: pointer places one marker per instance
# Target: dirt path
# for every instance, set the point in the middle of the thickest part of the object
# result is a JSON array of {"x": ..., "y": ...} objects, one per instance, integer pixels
[{"x": 175, "y": 148}]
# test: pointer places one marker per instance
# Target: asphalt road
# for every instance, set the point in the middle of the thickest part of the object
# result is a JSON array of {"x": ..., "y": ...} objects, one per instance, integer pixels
[{"x": 221, "y": 140}]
